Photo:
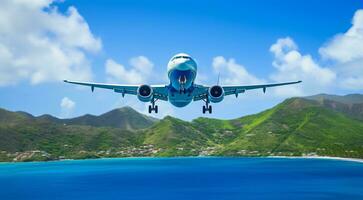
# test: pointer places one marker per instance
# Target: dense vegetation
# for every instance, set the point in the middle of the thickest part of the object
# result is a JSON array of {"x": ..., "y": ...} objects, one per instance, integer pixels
[{"x": 318, "y": 125}]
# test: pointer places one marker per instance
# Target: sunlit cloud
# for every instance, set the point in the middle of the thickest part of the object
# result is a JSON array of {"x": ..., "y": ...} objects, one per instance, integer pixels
[{"x": 40, "y": 44}]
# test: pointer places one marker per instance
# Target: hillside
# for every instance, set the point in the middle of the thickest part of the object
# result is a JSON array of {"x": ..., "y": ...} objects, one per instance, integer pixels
[
  {"x": 123, "y": 118},
  {"x": 177, "y": 137},
  {"x": 297, "y": 126},
  {"x": 21, "y": 132},
  {"x": 80, "y": 137},
  {"x": 351, "y": 104},
  {"x": 348, "y": 99}
]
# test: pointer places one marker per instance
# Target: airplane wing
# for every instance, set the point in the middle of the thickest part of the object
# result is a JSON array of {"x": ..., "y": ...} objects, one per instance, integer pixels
[
  {"x": 160, "y": 91},
  {"x": 202, "y": 91}
]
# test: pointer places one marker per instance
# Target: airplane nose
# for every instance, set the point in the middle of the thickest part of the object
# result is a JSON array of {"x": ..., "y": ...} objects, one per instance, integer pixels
[
  {"x": 181, "y": 61},
  {"x": 183, "y": 65}
]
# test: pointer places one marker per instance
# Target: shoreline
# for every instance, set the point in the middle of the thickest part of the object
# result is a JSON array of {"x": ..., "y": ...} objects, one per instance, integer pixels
[
  {"x": 320, "y": 157},
  {"x": 359, "y": 160}
]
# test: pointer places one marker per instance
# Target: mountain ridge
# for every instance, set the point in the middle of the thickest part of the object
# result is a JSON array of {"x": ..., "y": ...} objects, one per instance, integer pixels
[
  {"x": 116, "y": 118},
  {"x": 347, "y": 99},
  {"x": 297, "y": 126},
  {"x": 350, "y": 104}
]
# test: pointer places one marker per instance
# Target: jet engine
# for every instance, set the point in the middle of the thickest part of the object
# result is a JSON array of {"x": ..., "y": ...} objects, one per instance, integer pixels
[
  {"x": 145, "y": 93},
  {"x": 216, "y": 94}
]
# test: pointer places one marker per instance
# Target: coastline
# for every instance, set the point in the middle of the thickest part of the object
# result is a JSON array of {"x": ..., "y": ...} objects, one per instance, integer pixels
[
  {"x": 320, "y": 157},
  {"x": 359, "y": 160}
]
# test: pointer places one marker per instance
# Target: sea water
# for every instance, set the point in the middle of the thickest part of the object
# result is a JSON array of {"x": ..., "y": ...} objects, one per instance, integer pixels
[{"x": 183, "y": 178}]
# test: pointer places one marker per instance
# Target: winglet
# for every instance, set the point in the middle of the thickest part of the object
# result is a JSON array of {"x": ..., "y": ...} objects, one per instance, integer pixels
[
  {"x": 66, "y": 81},
  {"x": 218, "y": 78}
]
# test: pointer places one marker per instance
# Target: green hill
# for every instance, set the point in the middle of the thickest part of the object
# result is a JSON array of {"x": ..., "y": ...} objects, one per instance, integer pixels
[
  {"x": 177, "y": 137},
  {"x": 22, "y": 132},
  {"x": 348, "y": 99},
  {"x": 125, "y": 118},
  {"x": 295, "y": 127},
  {"x": 351, "y": 104},
  {"x": 299, "y": 126}
]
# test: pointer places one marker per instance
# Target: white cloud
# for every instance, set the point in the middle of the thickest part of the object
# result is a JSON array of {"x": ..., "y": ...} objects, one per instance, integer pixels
[
  {"x": 291, "y": 65},
  {"x": 67, "y": 107},
  {"x": 40, "y": 44},
  {"x": 201, "y": 78},
  {"x": 142, "y": 64},
  {"x": 346, "y": 50},
  {"x": 232, "y": 72},
  {"x": 138, "y": 73},
  {"x": 348, "y": 46},
  {"x": 342, "y": 66}
]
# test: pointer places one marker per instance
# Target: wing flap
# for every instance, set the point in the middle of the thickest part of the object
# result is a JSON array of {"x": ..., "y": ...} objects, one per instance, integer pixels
[
  {"x": 202, "y": 91},
  {"x": 251, "y": 87},
  {"x": 236, "y": 89},
  {"x": 160, "y": 91}
]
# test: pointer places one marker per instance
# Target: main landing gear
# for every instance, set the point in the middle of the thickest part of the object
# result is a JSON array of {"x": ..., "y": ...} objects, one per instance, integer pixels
[
  {"x": 207, "y": 107},
  {"x": 153, "y": 107}
]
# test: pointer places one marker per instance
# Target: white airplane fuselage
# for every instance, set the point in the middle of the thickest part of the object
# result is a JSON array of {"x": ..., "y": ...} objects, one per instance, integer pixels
[{"x": 182, "y": 70}]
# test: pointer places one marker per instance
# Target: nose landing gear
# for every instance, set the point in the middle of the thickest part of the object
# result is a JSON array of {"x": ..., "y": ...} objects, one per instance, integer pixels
[{"x": 153, "y": 107}]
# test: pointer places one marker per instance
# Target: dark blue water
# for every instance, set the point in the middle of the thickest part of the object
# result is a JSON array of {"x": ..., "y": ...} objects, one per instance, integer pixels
[{"x": 183, "y": 178}]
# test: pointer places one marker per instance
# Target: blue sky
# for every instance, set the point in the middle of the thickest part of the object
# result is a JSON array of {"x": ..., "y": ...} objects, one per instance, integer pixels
[{"x": 315, "y": 41}]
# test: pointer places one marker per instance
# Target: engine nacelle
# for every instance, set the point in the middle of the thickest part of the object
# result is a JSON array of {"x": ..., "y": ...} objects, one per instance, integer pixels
[
  {"x": 216, "y": 94},
  {"x": 145, "y": 93}
]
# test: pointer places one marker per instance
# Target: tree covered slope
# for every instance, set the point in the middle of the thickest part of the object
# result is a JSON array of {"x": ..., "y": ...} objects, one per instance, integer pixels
[{"x": 295, "y": 127}]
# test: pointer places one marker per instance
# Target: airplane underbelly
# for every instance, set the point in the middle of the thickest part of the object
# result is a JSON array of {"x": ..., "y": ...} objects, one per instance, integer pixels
[{"x": 179, "y": 99}]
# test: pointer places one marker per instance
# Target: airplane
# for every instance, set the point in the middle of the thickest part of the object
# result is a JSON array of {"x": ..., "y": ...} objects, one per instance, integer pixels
[{"x": 181, "y": 90}]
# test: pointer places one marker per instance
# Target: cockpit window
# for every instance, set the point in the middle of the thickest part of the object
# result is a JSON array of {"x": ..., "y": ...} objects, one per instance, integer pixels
[{"x": 186, "y": 57}]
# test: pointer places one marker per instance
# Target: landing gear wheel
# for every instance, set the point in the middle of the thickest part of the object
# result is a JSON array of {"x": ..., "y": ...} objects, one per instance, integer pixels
[
  {"x": 153, "y": 107},
  {"x": 207, "y": 107}
]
